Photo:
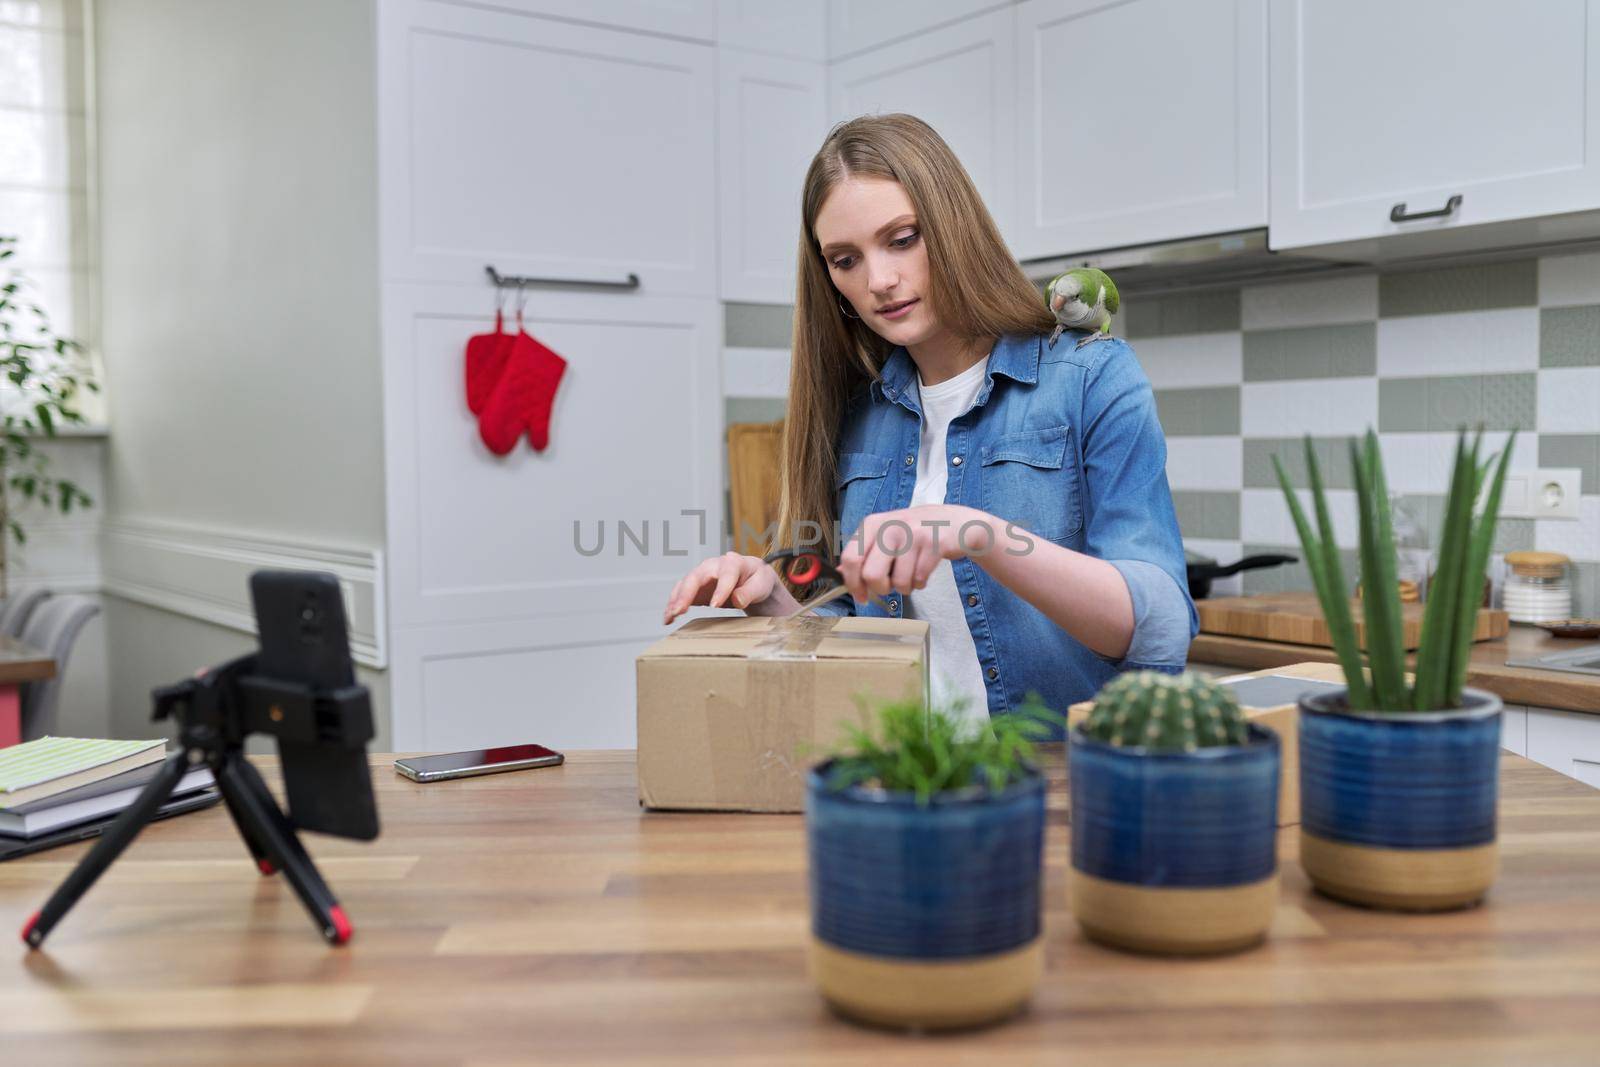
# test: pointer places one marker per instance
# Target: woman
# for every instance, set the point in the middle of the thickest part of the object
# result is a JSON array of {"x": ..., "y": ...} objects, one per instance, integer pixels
[{"x": 1008, "y": 490}]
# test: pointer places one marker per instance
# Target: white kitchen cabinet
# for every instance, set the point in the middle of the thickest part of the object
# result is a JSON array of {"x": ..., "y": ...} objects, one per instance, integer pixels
[
  {"x": 772, "y": 117},
  {"x": 1566, "y": 741},
  {"x": 1379, "y": 107},
  {"x": 961, "y": 80},
  {"x": 1514, "y": 729},
  {"x": 492, "y": 559},
  {"x": 856, "y": 26},
  {"x": 570, "y": 152},
  {"x": 1138, "y": 122},
  {"x": 546, "y": 149}
]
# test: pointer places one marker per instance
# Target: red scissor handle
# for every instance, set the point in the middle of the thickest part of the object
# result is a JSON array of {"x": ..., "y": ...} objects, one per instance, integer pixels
[{"x": 805, "y": 568}]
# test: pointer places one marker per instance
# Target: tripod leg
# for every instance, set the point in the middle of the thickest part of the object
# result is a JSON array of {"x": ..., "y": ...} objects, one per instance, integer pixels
[
  {"x": 262, "y": 821},
  {"x": 258, "y": 852},
  {"x": 117, "y": 837}
]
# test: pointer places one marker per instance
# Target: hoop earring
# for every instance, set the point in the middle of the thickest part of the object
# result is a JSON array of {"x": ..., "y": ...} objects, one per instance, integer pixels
[{"x": 845, "y": 308}]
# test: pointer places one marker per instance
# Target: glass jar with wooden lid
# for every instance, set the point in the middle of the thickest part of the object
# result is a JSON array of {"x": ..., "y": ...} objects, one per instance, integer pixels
[{"x": 1538, "y": 587}]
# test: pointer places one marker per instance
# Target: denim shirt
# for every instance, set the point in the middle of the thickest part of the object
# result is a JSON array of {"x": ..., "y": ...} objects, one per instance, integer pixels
[{"x": 1064, "y": 442}]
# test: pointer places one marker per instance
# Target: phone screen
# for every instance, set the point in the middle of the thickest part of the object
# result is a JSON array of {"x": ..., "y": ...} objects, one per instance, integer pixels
[{"x": 480, "y": 757}]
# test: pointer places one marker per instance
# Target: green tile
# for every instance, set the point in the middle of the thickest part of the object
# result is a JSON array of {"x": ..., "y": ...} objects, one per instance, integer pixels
[
  {"x": 1213, "y": 311},
  {"x": 1586, "y": 589},
  {"x": 1206, "y": 514},
  {"x": 1293, "y": 577},
  {"x": 1470, "y": 288},
  {"x": 1333, "y": 460},
  {"x": 1402, "y": 404},
  {"x": 1453, "y": 401},
  {"x": 1581, "y": 450},
  {"x": 1510, "y": 535},
  {"x": 1498, "y": 401},
  {"x": 1510, "y": 402},
  {"x": 1210, "y": 411},
  {"x": 1345, "y": 351},
  {"x": 1513, "y": 535},
  {"x": 757, "y": 325},
  {"x": 752, "y": 409},
  {"x": 1569, "y": 337}
]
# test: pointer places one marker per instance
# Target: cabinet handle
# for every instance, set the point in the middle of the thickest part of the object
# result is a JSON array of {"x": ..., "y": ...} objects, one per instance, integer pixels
[
  {"x": 508, "y": 281},
  {"x": 1398, "y": 212}
]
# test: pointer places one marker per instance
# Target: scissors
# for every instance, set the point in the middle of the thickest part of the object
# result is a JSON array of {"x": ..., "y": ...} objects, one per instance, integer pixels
[{"x": 806, "y": 565}]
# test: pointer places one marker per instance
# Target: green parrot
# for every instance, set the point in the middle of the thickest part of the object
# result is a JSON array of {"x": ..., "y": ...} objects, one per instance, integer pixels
[{"x": 1083, "y": 299}]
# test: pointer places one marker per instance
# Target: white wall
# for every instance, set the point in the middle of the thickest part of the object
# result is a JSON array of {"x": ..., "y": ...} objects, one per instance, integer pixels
[{"x": 239, "y": 285}]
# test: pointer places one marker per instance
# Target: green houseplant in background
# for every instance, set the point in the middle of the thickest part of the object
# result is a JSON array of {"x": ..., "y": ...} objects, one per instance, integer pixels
[
  {"x": 1399, "y": 779},
  {"x": 1174, "y": 817},
  {"x": 43, "y": 374},
  {"x": 925, "y": 844}
]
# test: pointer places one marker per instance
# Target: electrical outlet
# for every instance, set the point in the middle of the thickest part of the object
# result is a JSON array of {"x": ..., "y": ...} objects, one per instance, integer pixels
[{"x": 1547, "y": 493}]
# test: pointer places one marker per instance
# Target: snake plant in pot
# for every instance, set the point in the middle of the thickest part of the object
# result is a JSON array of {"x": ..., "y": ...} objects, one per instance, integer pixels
[
  {"x": 925, "y": 842},
  {"x": 1399, "y": 777},
  {"x": 1174, "y": 817}
]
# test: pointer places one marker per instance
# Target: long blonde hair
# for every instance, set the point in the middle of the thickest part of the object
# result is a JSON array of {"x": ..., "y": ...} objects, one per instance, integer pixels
[{"x": 977, "y": 290}]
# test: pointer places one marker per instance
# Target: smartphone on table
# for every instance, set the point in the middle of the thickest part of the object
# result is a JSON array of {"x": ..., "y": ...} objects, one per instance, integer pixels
[{"x": 476, "y": 761}]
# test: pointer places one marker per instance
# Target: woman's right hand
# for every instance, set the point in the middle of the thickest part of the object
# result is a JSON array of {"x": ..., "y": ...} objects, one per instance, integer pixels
[{"x": 731, "y": 580}]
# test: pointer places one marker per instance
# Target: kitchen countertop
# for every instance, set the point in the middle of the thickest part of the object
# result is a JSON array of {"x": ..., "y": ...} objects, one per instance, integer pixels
[
  {"x": 540, "y": 916},
  {"x": 1486, "y": 670}
]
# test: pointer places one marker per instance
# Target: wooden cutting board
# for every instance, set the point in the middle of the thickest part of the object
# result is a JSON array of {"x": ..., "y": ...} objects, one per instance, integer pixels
[{"x": 1296, "y": 618}]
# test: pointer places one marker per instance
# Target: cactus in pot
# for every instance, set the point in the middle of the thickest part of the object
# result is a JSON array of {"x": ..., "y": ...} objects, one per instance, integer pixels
[
  {"x": 1174, "y": 817},
  {"x": 1153, "y": 710}
]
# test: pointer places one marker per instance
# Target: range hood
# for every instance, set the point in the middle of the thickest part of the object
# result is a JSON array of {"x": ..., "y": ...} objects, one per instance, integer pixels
[
  {"x": 1243, "y": 258},
  {"x": 1192, "y": 263}
]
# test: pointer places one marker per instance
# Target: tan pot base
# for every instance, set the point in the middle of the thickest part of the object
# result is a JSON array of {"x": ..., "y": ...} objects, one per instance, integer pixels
[
  {"x": 927, "y": 994},
  {"x": 1400, "y": 879},
  {"x": 1170, "y": 920}
]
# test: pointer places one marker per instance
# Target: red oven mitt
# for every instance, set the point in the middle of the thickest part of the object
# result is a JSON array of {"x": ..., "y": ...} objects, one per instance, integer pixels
[
  {"x": 486, "y": 361},
  {"x": 522, "y": 398}
]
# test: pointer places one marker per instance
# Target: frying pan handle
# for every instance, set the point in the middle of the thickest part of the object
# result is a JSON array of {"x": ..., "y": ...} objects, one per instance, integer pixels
[{"x": 1250, "y": 563}]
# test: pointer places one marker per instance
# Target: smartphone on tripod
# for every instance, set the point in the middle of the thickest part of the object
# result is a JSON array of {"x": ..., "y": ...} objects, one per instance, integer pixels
[
  {"x": 304, "y": 638},
  {"x": 299, "y": 688}
]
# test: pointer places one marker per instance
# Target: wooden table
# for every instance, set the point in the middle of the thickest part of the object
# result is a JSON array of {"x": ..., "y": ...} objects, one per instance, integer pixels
[
  {"x": 540, "y": 916},
  {"x": 19, "y": 663},
  {"x": 1486, "y": 669}
]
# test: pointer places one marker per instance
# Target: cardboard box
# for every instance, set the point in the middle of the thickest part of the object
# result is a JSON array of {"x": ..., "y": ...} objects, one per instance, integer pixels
[
  {"x": 1268, "y": 698},
  {"x": 728, "y": 705}
]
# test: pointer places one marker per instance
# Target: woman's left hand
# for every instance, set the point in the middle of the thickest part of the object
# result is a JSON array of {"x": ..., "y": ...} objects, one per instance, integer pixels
[{"x": 898, "y": 550}]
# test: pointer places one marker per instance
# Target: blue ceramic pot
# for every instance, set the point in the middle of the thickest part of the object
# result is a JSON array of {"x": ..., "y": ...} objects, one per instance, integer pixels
[
  {"x": 925, "y": 915},
  {"x": 1398, "y": 808},
  {"x": 1175, "y": 852}
]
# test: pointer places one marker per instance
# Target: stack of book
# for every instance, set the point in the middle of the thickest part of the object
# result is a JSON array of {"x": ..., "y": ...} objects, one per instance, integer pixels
[{"x": 58, "y": 782}]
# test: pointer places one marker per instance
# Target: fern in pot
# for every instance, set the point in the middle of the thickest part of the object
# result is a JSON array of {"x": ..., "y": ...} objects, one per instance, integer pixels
[
  {"x": 925, "y": 841},
  {"x": 1399, "y": 775}
]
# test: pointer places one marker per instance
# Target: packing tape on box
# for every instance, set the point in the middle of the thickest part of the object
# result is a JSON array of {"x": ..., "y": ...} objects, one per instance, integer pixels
[
  {"x": 799, "y": 637},
  {"x": 760, "y": 726},
  {"x": 755, "y": 754}
]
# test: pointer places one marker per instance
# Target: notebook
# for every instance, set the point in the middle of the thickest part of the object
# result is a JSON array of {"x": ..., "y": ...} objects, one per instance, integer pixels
[
  {"x": 126, "y": 780},
  {"x": 50, "y": 766},
  {"x": 40, "y": 819}
]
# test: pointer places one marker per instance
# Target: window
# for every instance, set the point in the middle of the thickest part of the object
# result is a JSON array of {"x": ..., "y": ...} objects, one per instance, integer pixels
[{"x": 45, "y": 165}]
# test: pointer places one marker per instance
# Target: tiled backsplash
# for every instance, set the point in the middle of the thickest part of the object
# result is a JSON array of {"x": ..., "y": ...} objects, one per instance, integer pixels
[{"x": 1240, "y": 374}]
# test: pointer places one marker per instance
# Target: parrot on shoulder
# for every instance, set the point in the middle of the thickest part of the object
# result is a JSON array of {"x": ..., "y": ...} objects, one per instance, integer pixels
[{"x": 1082, "y": 299}]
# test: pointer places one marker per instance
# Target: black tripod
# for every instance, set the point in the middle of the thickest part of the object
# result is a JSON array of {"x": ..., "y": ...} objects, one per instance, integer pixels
[{"x": 215, "y": 711}]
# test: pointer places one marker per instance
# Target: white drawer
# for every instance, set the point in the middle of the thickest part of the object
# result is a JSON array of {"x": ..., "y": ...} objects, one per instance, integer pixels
[{"x": 1566, "y": 741}]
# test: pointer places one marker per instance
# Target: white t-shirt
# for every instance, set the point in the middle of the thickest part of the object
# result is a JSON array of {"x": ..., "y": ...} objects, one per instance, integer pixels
[{"x": 953, "y": 670}]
